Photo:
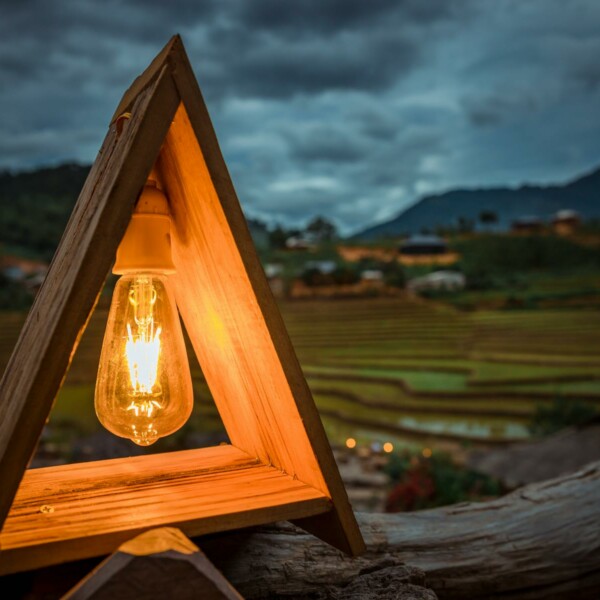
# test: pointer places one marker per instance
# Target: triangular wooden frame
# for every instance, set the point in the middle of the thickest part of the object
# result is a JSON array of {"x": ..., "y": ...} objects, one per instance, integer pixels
[{"x": 279, "y": 466}]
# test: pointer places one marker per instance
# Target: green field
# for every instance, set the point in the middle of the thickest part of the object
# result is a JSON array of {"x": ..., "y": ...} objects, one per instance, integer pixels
[{"x": 409, "y": 371}]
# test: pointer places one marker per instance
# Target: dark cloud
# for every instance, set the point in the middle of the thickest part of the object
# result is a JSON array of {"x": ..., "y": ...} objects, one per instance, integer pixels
[
  {"x": 342, "y": 107},
  {"x": 271, "y": 65},
  {"x": 326, "y": 143},
  {"x": 376, "y": 124},
  {"x": 318, "y": 16},
  {"x": 495, "y": 109},
  {"x": 588, "y": 74}
]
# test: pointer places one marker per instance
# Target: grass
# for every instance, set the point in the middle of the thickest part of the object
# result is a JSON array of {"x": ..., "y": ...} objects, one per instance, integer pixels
[
  {"x": 396, "y": 368},
  {"x": 422, "y": 381},
  {"x": 377, "y": 393}
]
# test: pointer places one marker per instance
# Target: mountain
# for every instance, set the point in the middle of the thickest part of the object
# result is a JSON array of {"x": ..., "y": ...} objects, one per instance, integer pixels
[
  {"x": 445, "y": 210},
  {"x": 35, "y": 207}
]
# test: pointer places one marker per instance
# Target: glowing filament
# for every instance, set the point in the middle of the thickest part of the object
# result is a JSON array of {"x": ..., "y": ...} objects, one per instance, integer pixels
[{"x": 142, "y": 358}]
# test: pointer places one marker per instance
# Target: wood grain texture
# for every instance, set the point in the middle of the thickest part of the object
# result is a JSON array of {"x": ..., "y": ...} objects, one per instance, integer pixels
[
  {"x": 229, "y": 311},
  {"x": 63, "y": 305},
  {"x": 148, "y": 77},
  {"x": 184, "y": 575},
  {"x": 264, "y": 400},
  {"x": 90, "y": 508},
  {"x": 540, "y": 542}
]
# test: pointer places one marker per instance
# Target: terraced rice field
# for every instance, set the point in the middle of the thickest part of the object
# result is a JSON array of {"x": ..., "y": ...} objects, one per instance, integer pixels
[{"x": 401, "y": 370}]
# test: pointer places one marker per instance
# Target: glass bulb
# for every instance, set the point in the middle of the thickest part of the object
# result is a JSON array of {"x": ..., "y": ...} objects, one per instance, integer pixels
[{"x": 144, "y": 388}]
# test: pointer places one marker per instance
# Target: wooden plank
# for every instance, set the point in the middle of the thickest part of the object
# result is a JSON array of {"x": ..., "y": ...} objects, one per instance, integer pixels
[
  {"x": 234, "y": 324},
  {"x": 160, "y": 561},
  {"x": 147, "y": 77},
  {"x": 88, "y": 509},
  {"x": 63, "y": 305}
]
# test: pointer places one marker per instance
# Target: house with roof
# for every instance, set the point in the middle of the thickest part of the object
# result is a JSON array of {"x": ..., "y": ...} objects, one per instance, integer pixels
[
  {"x": 566, "y": 222},
  {"x": 527, "y": 225},
  {"x": 449, "y": 281},
  {"x": 426, "y": 250}
]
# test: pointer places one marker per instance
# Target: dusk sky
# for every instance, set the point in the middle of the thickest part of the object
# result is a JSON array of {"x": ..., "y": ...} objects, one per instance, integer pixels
[{"x": 348, "y": 108}]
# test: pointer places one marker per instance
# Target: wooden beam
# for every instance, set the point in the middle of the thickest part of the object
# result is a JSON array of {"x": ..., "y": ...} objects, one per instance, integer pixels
[
  {"x": 63, "y": 305},
  {"x": 154, "y": 69},
  {"x": 87, "y": 509},
  {"x": 234, "y": 324}
]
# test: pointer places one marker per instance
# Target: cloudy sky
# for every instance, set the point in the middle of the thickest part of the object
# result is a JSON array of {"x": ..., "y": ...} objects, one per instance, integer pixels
[{"x": 348, "y": 108}]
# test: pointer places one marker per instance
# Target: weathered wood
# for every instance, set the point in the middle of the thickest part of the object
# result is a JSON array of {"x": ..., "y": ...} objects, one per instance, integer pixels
[
  {"x": 87, "y": 509},
  {"x": 64, "y": 303},
  {"x": 158, "y": 563},
  {"x": 234, "y": 323},
  {"x": 161, "y": 61},
  {"x": 165, "y": 562},
  {"x": 541, "y": 541}
]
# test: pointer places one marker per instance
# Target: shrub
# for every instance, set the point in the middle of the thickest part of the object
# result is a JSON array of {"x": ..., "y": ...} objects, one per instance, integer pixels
[
  {"x": 561, "y": 413},
  {"x": 13, "y": 295},
  {"x": 393, "y": 274},
  {"x": 495, "y": 254},
  {"x": 436, "y": 481},
  {"x": 345, "y": 276}
]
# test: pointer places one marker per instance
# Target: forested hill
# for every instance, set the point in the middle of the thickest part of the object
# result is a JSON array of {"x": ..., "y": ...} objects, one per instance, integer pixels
[
  {"x": 35, "y": 207},
  {"x": 445, "y": 210}
]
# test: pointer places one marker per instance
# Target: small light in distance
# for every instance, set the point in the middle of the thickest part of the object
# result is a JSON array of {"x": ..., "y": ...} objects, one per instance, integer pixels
[
  {"x": 388, "y": 447},
  {"x": 427, "y": 452},
  {"x": 351, "y": 443}
]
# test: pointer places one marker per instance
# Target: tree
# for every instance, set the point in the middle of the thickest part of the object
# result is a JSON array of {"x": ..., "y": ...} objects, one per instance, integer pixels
[
  {"x": 278, "y": 236},
  {"x": 488, "y": 217},
  {"x": 465, "y": 225},
  {"x": 323, "y": 229}
]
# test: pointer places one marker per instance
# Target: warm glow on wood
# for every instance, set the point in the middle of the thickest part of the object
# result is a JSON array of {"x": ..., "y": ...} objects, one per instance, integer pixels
[{"x": 279, "y": 465}]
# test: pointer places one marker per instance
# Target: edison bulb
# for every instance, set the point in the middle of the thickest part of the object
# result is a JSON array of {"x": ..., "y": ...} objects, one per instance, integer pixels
[{"x": 144, "y": 388}]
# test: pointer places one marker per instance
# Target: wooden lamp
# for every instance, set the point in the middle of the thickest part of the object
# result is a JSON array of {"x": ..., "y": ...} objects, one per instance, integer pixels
[{"x": 279, "y": 465}]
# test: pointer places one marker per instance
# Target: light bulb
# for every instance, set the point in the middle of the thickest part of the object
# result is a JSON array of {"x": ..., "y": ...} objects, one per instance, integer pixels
[{"x": 144, "y": 388}]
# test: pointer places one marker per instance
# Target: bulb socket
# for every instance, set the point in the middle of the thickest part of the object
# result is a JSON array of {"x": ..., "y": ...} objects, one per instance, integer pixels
[{"x": 146, "y": 245}]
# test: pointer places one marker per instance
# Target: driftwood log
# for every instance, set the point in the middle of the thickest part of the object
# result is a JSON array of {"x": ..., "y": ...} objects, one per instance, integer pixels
[{"x": 541, "y": 541}]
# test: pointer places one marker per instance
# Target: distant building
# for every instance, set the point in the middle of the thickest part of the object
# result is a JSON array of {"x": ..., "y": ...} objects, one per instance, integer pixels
[
  {"x": 372, "y": 275},
  {"x": 450, "y": 281},
  {"x": 274, "y": 273},
  {"x": 527, "y": 224},
  {"x": 19, "y": 269},
  {"x": 423, "y": 245},
  {"x": 566, "y": 222},
  {"x": 273, "y": 270},
  {"x": 14, "y": 273},
  {"x": 326, "y": 267},
  {"x": 426, "y": 250},
  {"x": 304, "y": 241},
  {"x": 372, "y": 280}
]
